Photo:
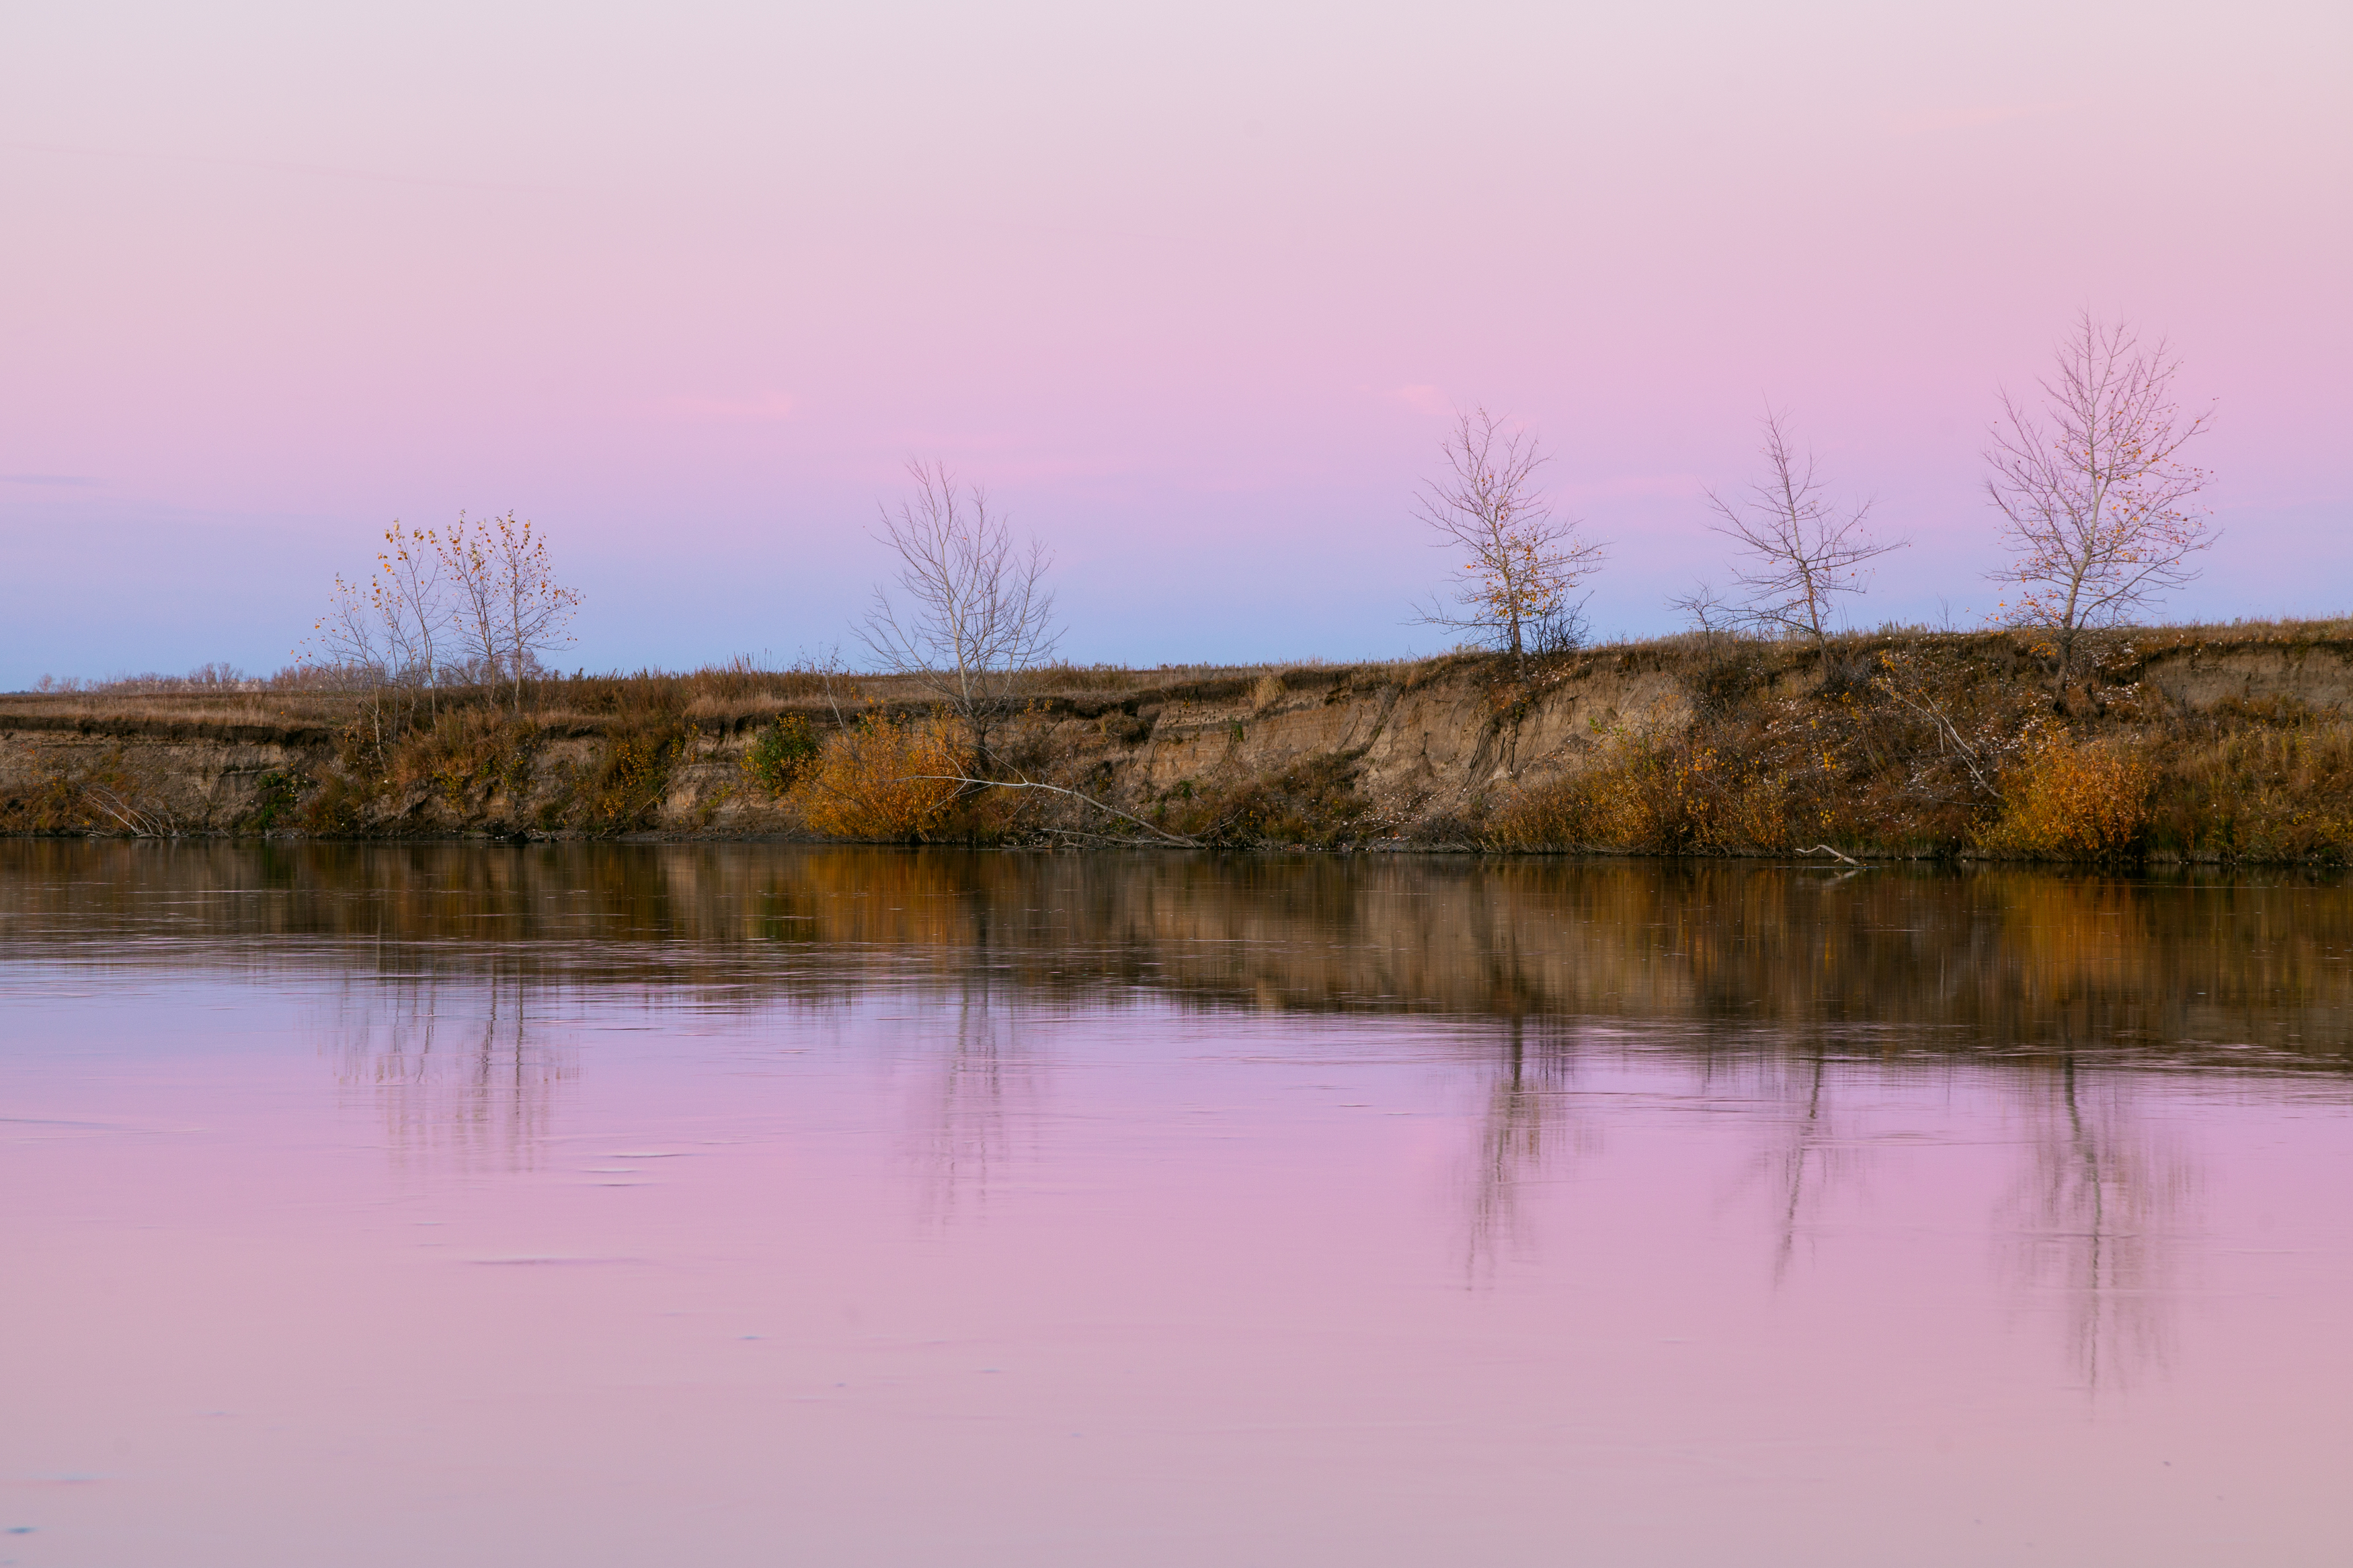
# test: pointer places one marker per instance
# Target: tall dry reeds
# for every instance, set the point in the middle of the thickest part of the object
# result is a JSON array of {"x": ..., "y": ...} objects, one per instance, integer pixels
[
  {"x": 2274, "y": 791},
  {"x": 1679, "y": 795}
]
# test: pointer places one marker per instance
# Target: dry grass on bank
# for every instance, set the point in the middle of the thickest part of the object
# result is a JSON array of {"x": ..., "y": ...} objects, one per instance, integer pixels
[{"x": 728, "y": 695}]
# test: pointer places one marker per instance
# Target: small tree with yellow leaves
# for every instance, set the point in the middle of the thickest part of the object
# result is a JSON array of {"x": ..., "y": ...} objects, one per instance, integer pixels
[
  {"x": 509, "y": 607},
  {"x": 386, "y": 634}
]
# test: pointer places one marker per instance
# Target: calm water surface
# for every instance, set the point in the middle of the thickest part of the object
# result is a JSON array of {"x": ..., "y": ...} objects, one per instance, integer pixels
[{"x": 759, "y": 1204}]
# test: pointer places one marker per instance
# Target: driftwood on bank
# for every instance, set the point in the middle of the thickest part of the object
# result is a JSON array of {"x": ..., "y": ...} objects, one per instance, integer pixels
[{"x": 1057, "y": 789}]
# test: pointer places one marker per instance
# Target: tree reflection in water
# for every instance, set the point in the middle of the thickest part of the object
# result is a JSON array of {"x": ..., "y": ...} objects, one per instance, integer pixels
[
  {"x": 2056, "y": 991},
  {"x": 1530, "y": 1121},
  {"x": 980, "y": 1096},
  {"x": 451, "y": 1059},
  {"x": 1810, "y": 1156},
  {"x": 2095, "y": 1219}
]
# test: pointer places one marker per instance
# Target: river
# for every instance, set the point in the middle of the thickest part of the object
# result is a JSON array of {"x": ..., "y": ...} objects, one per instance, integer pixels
[{"x": 755, "y": 1204}]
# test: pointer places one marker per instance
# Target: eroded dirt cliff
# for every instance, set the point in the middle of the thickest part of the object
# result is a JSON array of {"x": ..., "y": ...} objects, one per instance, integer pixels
[{"x": 1419, "y": 753}]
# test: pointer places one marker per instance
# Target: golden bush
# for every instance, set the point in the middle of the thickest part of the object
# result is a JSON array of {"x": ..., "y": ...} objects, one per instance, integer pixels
[
  {"x": 882, "y": 780},
  {"x": 1557, "y": 815},
  {"x": 2074, "y": 800}
]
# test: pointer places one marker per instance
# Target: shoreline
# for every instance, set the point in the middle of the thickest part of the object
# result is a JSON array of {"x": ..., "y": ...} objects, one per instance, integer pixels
[{"x": 2174, "y": 745}]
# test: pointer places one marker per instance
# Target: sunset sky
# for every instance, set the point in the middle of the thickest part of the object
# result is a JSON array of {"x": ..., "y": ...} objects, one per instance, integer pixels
[{"x": 1191, "y": 288}]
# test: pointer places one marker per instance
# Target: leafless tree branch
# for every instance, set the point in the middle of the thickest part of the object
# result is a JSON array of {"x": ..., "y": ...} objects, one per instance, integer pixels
[
  {"x": 1800, "y": 552},
  {"x": 976, "y": 612},
  {"x": 1892, "y": 680},
  {"x": 2096, "y": 504}
]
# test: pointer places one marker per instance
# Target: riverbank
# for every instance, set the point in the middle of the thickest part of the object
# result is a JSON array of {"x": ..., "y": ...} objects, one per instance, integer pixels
[{"x": 2200, "y": 744}]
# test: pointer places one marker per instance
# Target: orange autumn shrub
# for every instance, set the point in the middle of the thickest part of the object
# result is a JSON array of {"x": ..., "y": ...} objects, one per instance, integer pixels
[{"x": 881, "y": 779}]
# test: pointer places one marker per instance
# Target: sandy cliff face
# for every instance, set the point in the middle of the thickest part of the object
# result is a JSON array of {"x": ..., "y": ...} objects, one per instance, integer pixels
[
  {"x": 1431, "y": 745},
  {"x": 143, "y": 779},
  {"x": 2317, "y": 675},
  {"x": 1427, "y": 741}
]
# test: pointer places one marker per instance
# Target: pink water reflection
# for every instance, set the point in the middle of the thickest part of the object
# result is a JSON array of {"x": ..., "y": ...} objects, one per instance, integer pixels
[{"x": 903, "y": 1281}]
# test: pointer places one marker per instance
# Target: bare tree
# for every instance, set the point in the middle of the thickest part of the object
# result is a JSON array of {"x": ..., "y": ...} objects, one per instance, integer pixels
[
  {"x": 975, "y": 613},
  {"x": 351, "y": 643},
  {"x": 408, "y": 592},
  {"x": 349, "y": 638},
  {"x": 1524, "y": 561},
  {"x": 1708, "y": 611},
  {"x": 509, "y": 607},
  {"x": 1801, "y": 550},
  {"x": 380, "y": 633},
  {"x": 2096, "y": 505}
]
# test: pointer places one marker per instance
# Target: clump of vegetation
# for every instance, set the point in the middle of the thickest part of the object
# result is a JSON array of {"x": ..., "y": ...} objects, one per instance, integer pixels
[
  {"x": 630, "y": 777},
  {"x": 100, "y": 795},
  {"x": 1902, "y": 749},
  {"x": 1667, "y": 794},
  {"x": 338, "y": 806},
  {"x": 2264, "y": 782},
  {"x": 781, "y": 753},
  {"x": 884, "y": 779},
  {"x": 1948, "y": 746},
  {"x": 467, "y": 754},
  {"x": 2070, "y": 798},
  {"x": 277, "y": 791}
]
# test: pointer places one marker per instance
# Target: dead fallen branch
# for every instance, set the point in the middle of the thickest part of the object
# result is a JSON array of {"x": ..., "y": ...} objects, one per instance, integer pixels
[
  {"x": 1057, "y": 789},
  {"x": 137, "y": 823}
]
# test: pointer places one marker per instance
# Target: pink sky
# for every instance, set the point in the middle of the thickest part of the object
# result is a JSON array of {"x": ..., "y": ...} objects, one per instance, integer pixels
[{"x": 1190, "y": 289}]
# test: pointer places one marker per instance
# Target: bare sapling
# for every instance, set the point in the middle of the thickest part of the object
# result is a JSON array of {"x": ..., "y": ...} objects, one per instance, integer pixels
[
  {"x": 511, "y": 610},
  {"x": 412, "y": 606},
  {"x": 1523, "y": 561},
  {"x": 349, "y": 643},
  {"x": 1708, "y": 611},
  {"x": 380, "y": 634},
  {"x": 973, "y": 611},
  {"x": 1799, "y": 553},
  {"x": 2098, "y": 508}
]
